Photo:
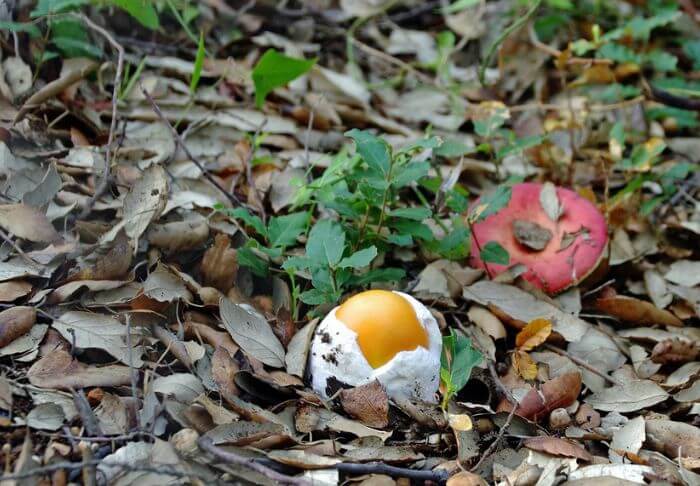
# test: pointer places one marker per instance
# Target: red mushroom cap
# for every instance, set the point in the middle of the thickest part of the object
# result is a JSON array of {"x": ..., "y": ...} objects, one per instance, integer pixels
[{"x": 574, "y": 249}]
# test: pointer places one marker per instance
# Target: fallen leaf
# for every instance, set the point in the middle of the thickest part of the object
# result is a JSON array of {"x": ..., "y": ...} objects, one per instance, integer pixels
[
  {"x": 559, "y": 392},
  {"x": 487, "y": 321},
  {"x": 27, "y": 222},
  {"x": 684, "y": 272},
  {"x": 46, "y": 416},
  {"x": 464, "y": 478},
  {"x": 163, "y": 285},
  {"x": 15, "y": 322},
  {"x": 5, "y": 394},
  {"x": 631, "y": 473},
  {"x": 600, "y": 351},
  {"x": 252, "y": 332},
  {"x": 524, "y": 307},
  {"x": 176, "y": 236},
  {"x": 673, "y": 438},
  {"x": 558, "y": 447},
  {"x": 367, "y": 403},
  {"x": 13, "y": 290},
  {"x": 524, "y": 365},
  {"x": 531, "y": 234},
  {"x": 535, "y": 333},
  {"x": 628, "y": 397},
  {"x": 112, "y": 415},
  {"x": 88, "y": 330},
  {"x": 298, "y": 349},
  {"x": 112, "y": 264},
  {"x": 223, "y": 369},
  {"x": 144, "y": 202},
  {"x": 675, "y": 351},
  {"x": 219, "y": 264},
  {"x": 550, "y": 202},
  {"x": 310, "y": 419},
  {"x": 627, "y": 439},
  {"x": 59, "y": 370},
  {"x": 460, "y": 422},
  {"x": 636, "y": 311},
  {"x": 243, "y": 433},
  {"x": 657, "y": 289}
]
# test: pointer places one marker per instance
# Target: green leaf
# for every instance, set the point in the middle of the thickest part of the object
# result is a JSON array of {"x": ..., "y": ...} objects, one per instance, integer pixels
[
  {"x": 617, "y": 133},
  {"x": 454, "y": 148},
  {"x": 283, "y": 231},
  {"x": 460, "y": 5},
  {"x": 520, "y": 145},
  {"x": 250, "y": 220},
  {"x": 326, "y": 243},
  {"x": 413, "y": 228},
  {"x": 692, "y": 50},
  {"x": 359, "y": 259},
  {"x": 491, "y": 203},
  {"x": 378, "y": 275},
  {"x": 618, "y": 53},
  {"x": 417, "y": 213},
  {"x": 661, "y": 60},
  {"x": 296, "y": 263},
  {"x": 198, "y": 63},
  {"x": 410, "y": 173},
  {"x": 457, "y": 360},
  {"x": 316, "y": 297},
  {"x": 493, "y": 252},
  {"x": 274, "y": 70},
  {"x": 247, "y": 258},
  {"x": 47, "y": 7},
  {"x": 455, "y": 245},
  {"x": 72, "y": 47},
  {"x": 399, "y": 239},
  {"x": 373, "y": 150},
  {"x": 142, "y": 10},
  {"x": 31, "y": 29},
  {"x": 487, "y": 127}
]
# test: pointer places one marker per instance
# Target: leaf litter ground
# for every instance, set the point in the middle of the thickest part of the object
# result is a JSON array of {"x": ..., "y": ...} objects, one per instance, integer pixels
[{"x": 180, "y": 210}]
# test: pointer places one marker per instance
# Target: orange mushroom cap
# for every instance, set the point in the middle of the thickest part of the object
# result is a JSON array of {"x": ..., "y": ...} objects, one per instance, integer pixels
[{"x": 385, "y": 324}]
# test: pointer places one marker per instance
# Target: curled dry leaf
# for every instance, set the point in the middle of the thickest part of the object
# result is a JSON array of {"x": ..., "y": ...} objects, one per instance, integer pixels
[
  {"x": 223, "y": 369},
  {"x": 535, "y": 333},
  {"x": 675, "y": 351},
  {"x": 628, "y": 397},
  {"x": 243, "y": 433},
  {"x": 15, "y": 322},
  {"x": 558, "y": 447},
  {"x": 487, "y": 321},
  {"x": 219, "y": 264},
  {"x": 524, "y": 365},
  {"x": 672, "y": 438},
  {"x": 110, "y": 265},
  {"x": 640, "y": 312},
  {"x": 179, "y": 235},
  {"x": 559, "y": 392},
  {"x": 367, "y": 403},
  {"x": 59, "y": 370},
  {"x": 27, "y": 222},
  {"x": 310, "y": 419},
  {"x": 13, "y": 290}
]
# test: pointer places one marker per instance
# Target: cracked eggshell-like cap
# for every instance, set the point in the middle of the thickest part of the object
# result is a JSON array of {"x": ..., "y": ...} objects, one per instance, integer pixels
[
  {"x": 559, "y": 247},
  {"x": 336, "y": 356}
]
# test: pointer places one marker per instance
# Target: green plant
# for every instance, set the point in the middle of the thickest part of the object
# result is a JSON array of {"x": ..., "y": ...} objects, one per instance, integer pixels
[
  {"x": 274, "y": 70},
  {"x": 458, "y": 359}
]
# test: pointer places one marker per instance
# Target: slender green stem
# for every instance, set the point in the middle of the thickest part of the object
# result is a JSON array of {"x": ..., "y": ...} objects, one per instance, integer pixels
[{"x": 499, "y": 40}]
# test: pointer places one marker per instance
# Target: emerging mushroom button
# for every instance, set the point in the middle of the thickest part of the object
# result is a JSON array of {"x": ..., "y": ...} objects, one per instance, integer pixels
[
  {"x": 382, "y": 335},
  {"x": 559, "y": 236}
]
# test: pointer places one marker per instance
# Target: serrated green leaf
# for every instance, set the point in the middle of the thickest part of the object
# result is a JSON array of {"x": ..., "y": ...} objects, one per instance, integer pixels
[
  {"x": 493, "y": 252},
  {"x": 283, "y": 231},
  {"x": 491, "y": 203},
  {"x": 198, "y": 64},
  {"x": 296, "y": 263},
  {"x": 359, "y": 259},
  {"x": 413, "y": 228},
  {"x": 419, "y": 213},
  {"x": 374, "y": 151},
  {"x": 378, "y": 275},
  {"x": 316, "y": 297},
  {"x": 326, "y": 243},
  {"x": 410, "y": 173},
  {"x": 31, "y": 29},
  {"x": 250, "y": 220},
  {"x": 274, "y": 70},
  {"x": 142, "y": 10},
  {"x": 247, "y": 258}
]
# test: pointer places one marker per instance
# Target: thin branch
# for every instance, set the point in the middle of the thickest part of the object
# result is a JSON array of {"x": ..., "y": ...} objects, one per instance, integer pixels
[
  {"x": 206, "y": 444},
  {"x": 17, "y": 248},
  {"x": 439, "y": 476},
  {"x": 583, "y": 364},
  {"x": 233, "y": 199},
  {"x": 670, "y": 99},
  {"x": 554, "y": 52},
  {"x": 103, "y": 184}
]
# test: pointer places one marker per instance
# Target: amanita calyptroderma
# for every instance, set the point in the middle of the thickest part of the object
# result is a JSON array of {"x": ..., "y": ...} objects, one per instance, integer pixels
[{"x": 559, "y": 236}]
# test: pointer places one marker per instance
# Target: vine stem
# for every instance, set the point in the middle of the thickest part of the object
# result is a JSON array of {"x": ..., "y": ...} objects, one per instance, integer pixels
[
  {"x": 478, "y": 247},
  {"x": 499, "y": 40}
]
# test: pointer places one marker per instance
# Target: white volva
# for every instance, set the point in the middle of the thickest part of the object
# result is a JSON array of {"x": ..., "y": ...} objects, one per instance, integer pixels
[{"x": 413, "y": 375}]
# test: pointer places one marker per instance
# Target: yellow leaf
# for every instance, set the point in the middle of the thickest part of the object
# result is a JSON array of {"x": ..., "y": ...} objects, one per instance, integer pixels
[
  {"x": 534, "y": 334},
  {"x": 524, "y": 365},
  {"x": 460, "y": 422}
]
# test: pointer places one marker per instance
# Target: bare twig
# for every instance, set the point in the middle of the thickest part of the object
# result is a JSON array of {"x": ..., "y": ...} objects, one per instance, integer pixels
[
  {"x": 554, "y": 52},
  {"x": 583, "y": 364},
  {"x": 670, "y": 99},
  {"x": 439, "y": 476},
  {"x": 206, "y": 444},
  {"x": 103, "y": 184},
  {"x": 17, "y": 248},
  {"x": 207, "y": 175}
]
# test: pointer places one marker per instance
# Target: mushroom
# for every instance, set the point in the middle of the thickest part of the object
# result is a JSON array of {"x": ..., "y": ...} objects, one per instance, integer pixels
[
  {"x": 378, "y": 335},
  {"x": 558, "y": 236}
]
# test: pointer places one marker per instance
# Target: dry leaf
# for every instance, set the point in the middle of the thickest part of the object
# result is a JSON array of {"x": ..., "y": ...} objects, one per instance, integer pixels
[
  {"x": 145, "y": 202},
  {"x": 27, "y": 222},
  {"x": 531, "y": 234},
  {"x": 636, "y": 311},
  {"x": 59, "y": 370},
  {"x": 367, "y": 403},
  {"x": 675, "y": 351},
  {"x": 243, "y": 433},
  {"x": 559, "y": 392},
  {"x": 628, "y": 397},
  {"x": 111, "y": 265},
  {"x": 464, "y": 478},
  {"x": 460, "y": 422},
  {"x": 309, "y": 419},
  {"x": 524, "y": 365},
  {"x": 672, "y": 438},
  {"x": 684, "y": 272},
  {"x": 219, "y": 264},
  {"x": 550, "y": 202},
  {"x": 13, "y": 290},
  {"x": 15, "y": 322},
  {"x": 178, "y": 236},
  {"x": 487, "y": 321},
  {"x": 558, "y": 447},
  {"x": 627, "y": 439},
  {"x": 524, "y": 307},
  {"x": 535, "y": 333},
  {"x": 223, "y": 369}
]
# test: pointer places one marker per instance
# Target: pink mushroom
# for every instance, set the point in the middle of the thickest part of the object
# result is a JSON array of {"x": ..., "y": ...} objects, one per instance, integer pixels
[{"x": 559, "y": 236}]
